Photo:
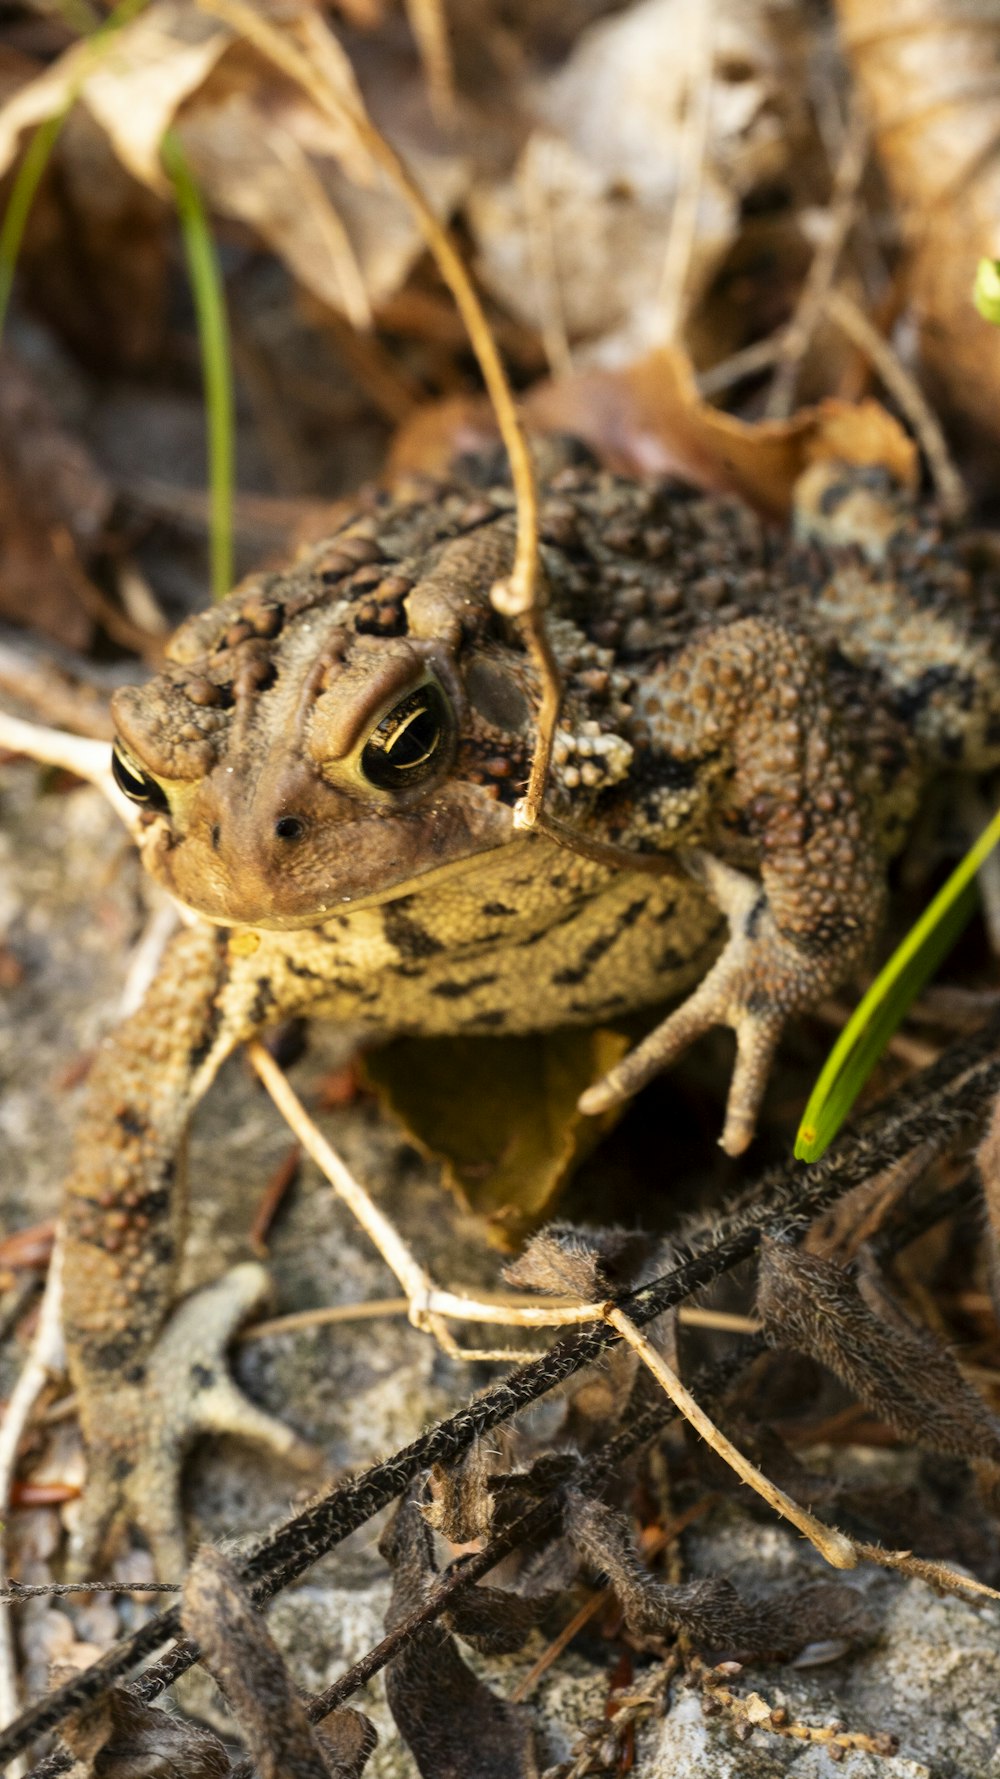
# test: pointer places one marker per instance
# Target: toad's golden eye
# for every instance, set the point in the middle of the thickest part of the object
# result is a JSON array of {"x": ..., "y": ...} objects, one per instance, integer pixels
[
  {"x": 135, "y": 783},
  {"x": 404, "y": 748}
]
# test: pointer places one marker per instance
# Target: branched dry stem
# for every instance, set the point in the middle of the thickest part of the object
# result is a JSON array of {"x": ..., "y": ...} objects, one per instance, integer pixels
[
  {"x": 428, "y": 1306},
  {"x": 78, "y": 754},
  {"x": 797, "y": 336}
]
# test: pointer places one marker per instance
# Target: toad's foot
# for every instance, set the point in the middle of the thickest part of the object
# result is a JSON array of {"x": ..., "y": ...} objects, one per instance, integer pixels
[
  {"x": 138, "y": 1430},
  {"x": 760, "y": 979}
]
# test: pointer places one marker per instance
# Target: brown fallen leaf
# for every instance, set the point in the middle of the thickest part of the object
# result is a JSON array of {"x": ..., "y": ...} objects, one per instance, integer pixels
[{"x": 648, "y": 418}]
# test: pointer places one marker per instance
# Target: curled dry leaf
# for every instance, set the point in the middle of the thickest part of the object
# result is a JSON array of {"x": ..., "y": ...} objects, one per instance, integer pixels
[
  {"x": 899, "y": 1371},
  {"x": 245, "y": 1662},
  {"x": 711, "y": 1611},
  {"x": 453, "y": 1724},
  {"x": 564, "y": 1261},
  {"x": 927, "y": 70}
]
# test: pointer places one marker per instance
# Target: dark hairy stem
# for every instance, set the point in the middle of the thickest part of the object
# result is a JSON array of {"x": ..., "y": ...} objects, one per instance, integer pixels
[{"x": 929, "y": 1109}]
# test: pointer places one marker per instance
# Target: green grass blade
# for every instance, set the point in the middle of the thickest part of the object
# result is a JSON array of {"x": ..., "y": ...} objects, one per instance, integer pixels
[
  {"x": 213, "y": 335},
  {"x": 986, "y": 290},
  {"x": 888, "y": 1000},
  {"x": 26, "y": 182}
]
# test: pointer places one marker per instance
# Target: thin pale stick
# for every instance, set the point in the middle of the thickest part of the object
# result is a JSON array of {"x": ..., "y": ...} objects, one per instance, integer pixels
[
  {"x": 544, "y": 265},
  {"x": 411, "y": 1275},
  {"x": 78, "y": 754},
  {"x": 698, "y": 29},
  {"x": 429, "y": 24},
  {"x": 837, "y": 1550},
  {"x": 745, "y": 363},
  {"x": 935, "y": 1574},
  {"x": 814, "y": 296},
  {"x": 852, "y": 321},
  {"x": 44, "y": 1359},
  {"x": 507, "y": 1313}
]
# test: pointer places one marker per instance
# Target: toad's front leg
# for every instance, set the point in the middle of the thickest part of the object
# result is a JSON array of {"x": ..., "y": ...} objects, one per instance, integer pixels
[
  {"x": 149, "y": 1381},
  {"x": 742, "y": 721}
]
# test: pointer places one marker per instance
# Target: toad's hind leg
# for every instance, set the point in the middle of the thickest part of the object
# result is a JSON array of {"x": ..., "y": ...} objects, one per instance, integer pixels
[
  {"x": 149, "y": 1382},
  {"x": 746, "y": 707}
]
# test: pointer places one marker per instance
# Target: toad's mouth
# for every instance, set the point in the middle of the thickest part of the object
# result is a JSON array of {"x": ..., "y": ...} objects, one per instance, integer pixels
[{"x": 304, "y": 899}]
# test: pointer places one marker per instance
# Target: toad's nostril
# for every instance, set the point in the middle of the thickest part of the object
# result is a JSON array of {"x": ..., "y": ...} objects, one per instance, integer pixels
[{"x": 289, "y": 827}]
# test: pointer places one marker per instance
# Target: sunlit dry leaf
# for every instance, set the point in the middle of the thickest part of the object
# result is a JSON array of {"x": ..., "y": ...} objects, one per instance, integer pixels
[
  {"x": 648, "y": 418},
  {"x": 579, "y": 229},
  {"x": 133, "y": 85},
  {"x": 253, "y": 168},
  {"x": 927, "y": 69},
  {"x": 586, "y": 1263},
  {"x": 512, "y": 1136}
]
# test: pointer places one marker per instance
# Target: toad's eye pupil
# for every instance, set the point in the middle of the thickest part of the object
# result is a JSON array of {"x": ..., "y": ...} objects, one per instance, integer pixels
[
  {"x": 134, "y": 782},
  {"x": 402, "y": 750}
]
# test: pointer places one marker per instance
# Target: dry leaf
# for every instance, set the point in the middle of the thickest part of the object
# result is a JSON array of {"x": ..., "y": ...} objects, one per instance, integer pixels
[
  {"x": 710, "y": 1611},
  {"x": 453, "y": 1724},
  {"x": 899, "y": 1371},
  {"x": 512, "y": 1135},
  {"x": 575, "y": 239},
  {"x": 240, "y": 1655},
  {"x": 927, "y": 70},
  {"x": 121, "y": 1738}
]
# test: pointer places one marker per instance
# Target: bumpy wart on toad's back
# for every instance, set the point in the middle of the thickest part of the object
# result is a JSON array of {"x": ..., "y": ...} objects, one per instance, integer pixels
[{"x": 328, "y": 767}]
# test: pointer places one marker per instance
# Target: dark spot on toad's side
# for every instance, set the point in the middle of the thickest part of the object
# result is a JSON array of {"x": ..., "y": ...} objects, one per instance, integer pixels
[
  {"x": 570, "y": 977},
  {"x": 497, "y": 908},
  {"x": 405, "y": 934},
  {"x": 131, "y": 1121},
  {"x": 453, "y": 991},
  {"x": 630, "y": 915},
  {"x": 203, "y": 1376},
  {"x": 303, "y": 970}
]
